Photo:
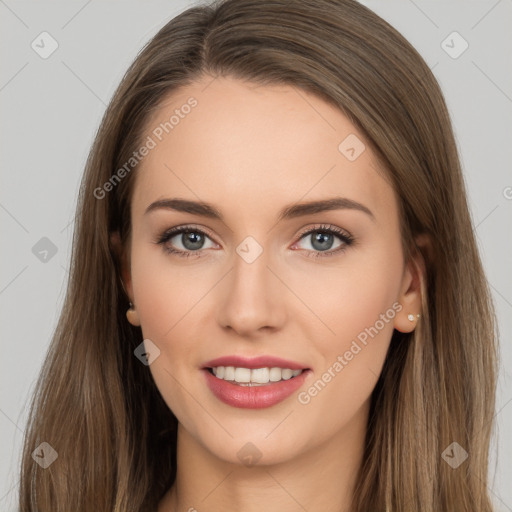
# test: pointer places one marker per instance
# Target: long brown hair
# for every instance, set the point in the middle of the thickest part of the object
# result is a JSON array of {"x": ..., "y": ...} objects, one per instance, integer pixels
[{"x": 97, "y": 405}]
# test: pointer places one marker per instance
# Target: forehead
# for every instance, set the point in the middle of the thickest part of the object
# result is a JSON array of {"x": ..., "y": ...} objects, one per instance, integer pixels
[{"x": 223, "y": 138}]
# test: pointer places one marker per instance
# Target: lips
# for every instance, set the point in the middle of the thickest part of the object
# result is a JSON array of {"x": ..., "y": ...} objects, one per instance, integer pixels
[
  {"x": 255, "y": 362},
  {"x": 249, "y": 395}
]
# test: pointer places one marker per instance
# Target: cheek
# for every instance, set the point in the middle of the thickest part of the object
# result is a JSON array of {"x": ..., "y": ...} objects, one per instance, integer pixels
[
  {"x": 355, "y": 295},
  {"x": 359, "y": 308},
  {"x": 171, "y": 301},
  {"x": 168, "y": 300},
  {"x": 166, "y": 293},
  {"x": 361, "y": 313}
]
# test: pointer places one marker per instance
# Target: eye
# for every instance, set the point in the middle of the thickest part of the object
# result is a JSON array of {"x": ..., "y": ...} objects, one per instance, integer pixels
[
  {"x": 322, "y": 238},
  {"x": 183, "y": 241}
]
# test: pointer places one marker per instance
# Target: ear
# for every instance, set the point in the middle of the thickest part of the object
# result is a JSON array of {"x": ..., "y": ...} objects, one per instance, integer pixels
[
  {"x": 410, "y": 290},
  {"x": 120, "y": 252}
]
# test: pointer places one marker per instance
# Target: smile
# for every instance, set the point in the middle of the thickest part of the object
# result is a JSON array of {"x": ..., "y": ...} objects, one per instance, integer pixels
[
  {"x": 238, "y": 386},
  {"x": 255, "y": 376}
]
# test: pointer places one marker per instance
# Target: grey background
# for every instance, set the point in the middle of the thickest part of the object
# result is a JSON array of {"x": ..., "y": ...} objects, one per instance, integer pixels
[{"x": 51, "y": 108}]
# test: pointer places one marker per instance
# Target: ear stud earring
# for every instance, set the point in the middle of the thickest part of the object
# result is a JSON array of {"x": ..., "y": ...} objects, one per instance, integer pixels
[{"x": 411, "y": 316}]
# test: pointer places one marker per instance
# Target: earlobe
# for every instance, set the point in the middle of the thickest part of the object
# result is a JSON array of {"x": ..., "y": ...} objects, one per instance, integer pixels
[
  {"x": 411, "y": 291},
  {"x": 132, "y": 316},
  {"x": 407, "y": 322}
]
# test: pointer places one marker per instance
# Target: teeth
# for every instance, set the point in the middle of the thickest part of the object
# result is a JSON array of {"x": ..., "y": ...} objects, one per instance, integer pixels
[
  {"x": 260, "y": 375},
  {"x": 275, "y": 374},
  {"x": 242, "y": 375},
  {"x": 256, "y": 376},
  {"x": 229, "y": 373}
]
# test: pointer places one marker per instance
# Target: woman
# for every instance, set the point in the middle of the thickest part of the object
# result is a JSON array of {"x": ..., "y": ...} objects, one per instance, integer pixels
[{"x": 276, "y": 300}]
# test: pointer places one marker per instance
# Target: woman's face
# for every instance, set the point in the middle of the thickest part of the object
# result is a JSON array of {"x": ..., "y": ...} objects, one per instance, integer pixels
[{"x": 260, "y": 275}]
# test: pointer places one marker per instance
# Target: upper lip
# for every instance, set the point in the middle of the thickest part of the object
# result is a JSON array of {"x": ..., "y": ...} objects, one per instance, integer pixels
[{"x": 254, "y": 362}]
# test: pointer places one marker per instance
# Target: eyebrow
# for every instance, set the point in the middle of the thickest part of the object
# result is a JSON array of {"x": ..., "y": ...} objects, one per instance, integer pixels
[{"x": 289, "y": 212}]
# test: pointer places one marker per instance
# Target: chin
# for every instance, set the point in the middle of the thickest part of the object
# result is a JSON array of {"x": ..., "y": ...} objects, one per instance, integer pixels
[{"x": 256, "y": 446}]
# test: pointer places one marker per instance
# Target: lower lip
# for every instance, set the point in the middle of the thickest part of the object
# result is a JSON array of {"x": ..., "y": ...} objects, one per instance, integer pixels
[{"x": 253, "y": 397}]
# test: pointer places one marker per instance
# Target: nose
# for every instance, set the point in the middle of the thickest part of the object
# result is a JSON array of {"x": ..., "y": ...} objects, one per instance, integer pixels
[{"x": 253, "y": 301}]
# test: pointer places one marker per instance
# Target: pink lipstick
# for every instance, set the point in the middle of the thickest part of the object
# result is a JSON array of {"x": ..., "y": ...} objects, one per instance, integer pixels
[{"x": 253, "y": 383}]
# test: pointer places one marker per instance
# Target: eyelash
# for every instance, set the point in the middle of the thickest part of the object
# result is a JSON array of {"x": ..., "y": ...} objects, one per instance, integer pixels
[{"x": 346, "y": 238}]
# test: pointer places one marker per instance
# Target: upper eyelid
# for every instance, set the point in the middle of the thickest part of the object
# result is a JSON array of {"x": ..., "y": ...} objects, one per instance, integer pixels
[{"x": 325, "y": 227}]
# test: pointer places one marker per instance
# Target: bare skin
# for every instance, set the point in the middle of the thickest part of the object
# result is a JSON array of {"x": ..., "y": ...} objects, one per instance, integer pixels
[{"x": 251, "y": 151}]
